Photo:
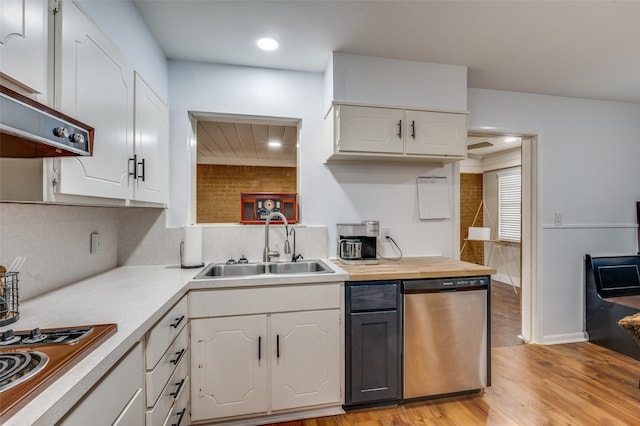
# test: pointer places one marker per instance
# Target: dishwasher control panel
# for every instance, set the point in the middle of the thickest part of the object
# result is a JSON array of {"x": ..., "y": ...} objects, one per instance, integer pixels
[{"x": 445, "y": 284}]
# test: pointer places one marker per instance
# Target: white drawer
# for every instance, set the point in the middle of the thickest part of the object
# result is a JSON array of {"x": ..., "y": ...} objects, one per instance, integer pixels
[
  {"x": 179, "y": 413},
  {"x": 162, "y": 334},
  {"x": 245, "y": 301},
  {"x": 157, "y": 378},
  {"x": 113, "y": 395},
  {"x": 174, "y": 389}
]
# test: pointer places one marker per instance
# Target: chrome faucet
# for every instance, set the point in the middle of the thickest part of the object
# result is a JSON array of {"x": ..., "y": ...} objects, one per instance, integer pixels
[{"x": 268, "y": 254}]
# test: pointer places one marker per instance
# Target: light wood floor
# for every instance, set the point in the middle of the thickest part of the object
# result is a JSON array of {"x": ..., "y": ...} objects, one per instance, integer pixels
[{"x": 570, "y": 384}]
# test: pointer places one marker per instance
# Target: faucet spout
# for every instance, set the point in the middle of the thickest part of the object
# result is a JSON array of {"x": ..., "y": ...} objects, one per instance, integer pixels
[{"x": 268, "y": 254}]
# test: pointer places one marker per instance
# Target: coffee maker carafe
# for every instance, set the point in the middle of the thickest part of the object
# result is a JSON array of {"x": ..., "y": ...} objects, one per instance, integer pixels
[{"x": 357, "y": 242}]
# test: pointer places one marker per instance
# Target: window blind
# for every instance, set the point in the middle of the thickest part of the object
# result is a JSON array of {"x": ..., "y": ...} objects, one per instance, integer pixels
[{"x": 509, "y": 205}]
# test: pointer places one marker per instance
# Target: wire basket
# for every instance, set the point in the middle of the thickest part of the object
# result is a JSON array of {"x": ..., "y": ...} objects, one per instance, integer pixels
[{"x": 8, "y": 298}]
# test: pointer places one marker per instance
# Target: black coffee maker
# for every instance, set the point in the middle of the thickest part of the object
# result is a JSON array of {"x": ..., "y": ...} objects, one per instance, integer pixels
[{"x": 357, "y": 242}]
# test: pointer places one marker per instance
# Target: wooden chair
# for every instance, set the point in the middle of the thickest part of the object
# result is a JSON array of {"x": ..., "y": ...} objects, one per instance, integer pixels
[{"x": 631, "y": 323}]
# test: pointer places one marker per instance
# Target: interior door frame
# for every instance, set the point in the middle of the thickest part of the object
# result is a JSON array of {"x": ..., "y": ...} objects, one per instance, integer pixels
[{"x": 530, "y": 233}]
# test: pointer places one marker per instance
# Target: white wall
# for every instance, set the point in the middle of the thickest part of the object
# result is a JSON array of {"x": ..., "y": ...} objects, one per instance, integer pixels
[
  {"x": 589, "y": 172},
  {"x": 329, "y": 194},
  {"x": 395, "y": 82}
]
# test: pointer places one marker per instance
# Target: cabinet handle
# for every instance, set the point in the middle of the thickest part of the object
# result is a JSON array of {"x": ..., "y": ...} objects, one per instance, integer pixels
[
  {"x": 277, "y": 345},
  {"x": 177, "y": 360},
  {"x": 141, "y": 175},
  {"x": 178, "y": 320},
  {"x": 175, "y": 393},
  {"x": 134, "y": 173},
  {"x": 400, "y": 129},
  {"x": 180, "y": 416},
  {"x": 413, "y": 131},
  {"x": 259, "y": 347}
]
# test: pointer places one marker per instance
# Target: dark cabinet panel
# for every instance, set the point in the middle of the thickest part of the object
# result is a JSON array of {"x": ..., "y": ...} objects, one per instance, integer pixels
[
  {"x": 375, "y": 359},
  {"x": 373, "y": 343}
]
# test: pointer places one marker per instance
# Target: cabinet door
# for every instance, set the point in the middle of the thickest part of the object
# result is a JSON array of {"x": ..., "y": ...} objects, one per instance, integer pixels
[
  {"x": 374, "y": 367},
  {"x": 151, "y": 144},
  {"x": 228, "y": 366},
  {"x": 305, "y": 359},
  {"x": 23, "y": 44},
  {"x": 365, "y": 129},
  {"x": 435, "y": 133},
  {"x": 96, "y": 86}
]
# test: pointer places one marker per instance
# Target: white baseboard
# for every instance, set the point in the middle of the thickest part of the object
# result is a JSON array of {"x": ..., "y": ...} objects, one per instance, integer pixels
[{"x": 557, "y": 339}]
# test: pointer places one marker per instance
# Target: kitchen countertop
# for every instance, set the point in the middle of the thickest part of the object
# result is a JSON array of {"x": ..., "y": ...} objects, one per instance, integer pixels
[
  {"x": 414, "y": 267},
  {"x": 133, "y": 297}
]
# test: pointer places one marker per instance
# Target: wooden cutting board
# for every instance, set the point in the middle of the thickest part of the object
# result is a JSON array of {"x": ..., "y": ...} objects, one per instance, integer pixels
[{"x": 414, "y": 267}]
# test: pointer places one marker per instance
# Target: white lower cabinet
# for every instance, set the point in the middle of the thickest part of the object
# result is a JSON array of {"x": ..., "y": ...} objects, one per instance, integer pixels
[
  {"x": 305, "y": 370},
  {"x": 263, "y": 361},
  {"x": 229, "y": 366},
  {"x": 118, "y": 399}
]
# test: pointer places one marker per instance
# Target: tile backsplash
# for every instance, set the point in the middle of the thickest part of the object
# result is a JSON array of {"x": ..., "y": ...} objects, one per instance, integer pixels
[{"x": 57, "y": 241}]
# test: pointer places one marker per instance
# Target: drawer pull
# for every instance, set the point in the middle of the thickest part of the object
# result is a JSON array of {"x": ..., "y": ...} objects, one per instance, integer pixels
[
  {"x": 180, "y": 416},
  {"x": 178, "y": 321},
  {"x": 177, "y": 391},
  {"x": 278, "y": 345},
  {"x": 177, "y": 360},
  {"x": 259, "y": 347}
]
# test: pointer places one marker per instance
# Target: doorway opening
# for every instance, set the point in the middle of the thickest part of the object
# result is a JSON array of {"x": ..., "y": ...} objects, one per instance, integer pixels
[{"x": 493, "y": 158}]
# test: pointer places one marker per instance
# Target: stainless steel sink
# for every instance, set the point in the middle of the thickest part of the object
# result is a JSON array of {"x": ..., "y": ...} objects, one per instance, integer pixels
[
  {"x": 222, "y": 270},
  {"x": 302, "y": 267}
]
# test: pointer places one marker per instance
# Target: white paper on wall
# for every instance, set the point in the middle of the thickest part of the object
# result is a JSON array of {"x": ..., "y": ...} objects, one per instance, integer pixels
[{"x": 434, "y": 200}]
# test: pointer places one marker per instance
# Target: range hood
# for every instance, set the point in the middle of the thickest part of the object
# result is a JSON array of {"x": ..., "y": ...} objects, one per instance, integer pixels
[{"x": 29, "y": 129}]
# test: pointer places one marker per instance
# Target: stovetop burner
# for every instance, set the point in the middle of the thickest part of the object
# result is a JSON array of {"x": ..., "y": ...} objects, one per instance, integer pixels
[
  {"x": 31, "y": 359},
  {"x": 16, "y": 367}
]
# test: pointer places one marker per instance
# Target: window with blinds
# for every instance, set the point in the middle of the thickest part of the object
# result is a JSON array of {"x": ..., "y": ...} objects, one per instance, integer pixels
[{"x": 509, "y": 202}]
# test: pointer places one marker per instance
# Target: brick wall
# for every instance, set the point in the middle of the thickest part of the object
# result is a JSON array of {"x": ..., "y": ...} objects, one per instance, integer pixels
[
  {"x": 471, "y": 191},
  {"x": 218, "y": 188}
]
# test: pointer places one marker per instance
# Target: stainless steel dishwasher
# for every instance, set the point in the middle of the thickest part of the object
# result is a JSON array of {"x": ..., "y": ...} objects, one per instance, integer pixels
[{"x": 446, "y": 336}]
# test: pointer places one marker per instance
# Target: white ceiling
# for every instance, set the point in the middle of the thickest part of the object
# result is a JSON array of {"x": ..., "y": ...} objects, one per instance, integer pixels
[{"x": 587, "y": 49}]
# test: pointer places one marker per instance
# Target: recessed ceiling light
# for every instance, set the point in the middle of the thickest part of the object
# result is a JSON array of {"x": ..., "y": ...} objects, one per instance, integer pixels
[
  {"x": 274, "y": 144},
  {"x": 268, "y": 43}
]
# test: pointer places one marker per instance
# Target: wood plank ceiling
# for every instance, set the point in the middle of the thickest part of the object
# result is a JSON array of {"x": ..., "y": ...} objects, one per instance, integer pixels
[{"x": 233, "y": 143}]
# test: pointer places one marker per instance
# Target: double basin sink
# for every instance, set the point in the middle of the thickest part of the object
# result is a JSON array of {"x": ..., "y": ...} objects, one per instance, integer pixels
[{"x": 223, "y": 270}]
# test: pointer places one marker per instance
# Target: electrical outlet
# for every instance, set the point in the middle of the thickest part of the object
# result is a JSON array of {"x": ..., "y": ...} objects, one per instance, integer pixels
[
  {"x": 95, "y": 243},
  {"x": 385, "y": 233}
]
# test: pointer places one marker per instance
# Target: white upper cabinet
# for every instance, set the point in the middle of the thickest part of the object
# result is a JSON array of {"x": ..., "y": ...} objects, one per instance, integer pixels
[
  {"x": 435, "y": 133},
  {"x": 362, "y": 129},
  {"x": 24, "y": 48},
  {"x": 96, "y": 85},
  {"x": 375, "y": 133},
  {"x": 151, "y": 145}
]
